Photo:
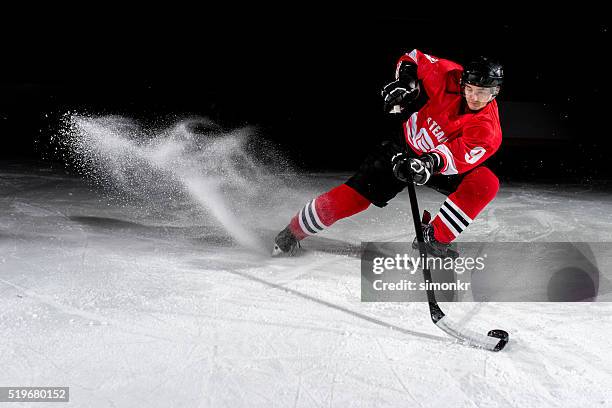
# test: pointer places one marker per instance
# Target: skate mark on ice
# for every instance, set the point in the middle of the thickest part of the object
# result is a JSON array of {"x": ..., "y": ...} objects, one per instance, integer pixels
[
  {"x": 297, "y": 391},
  {"x": 467, "y": 317},
  {"x": 554, "y": 371},
  {"x": 297, "y": 273},
  {"x": 129, "y": 328},
  {"x": 545, "y": 220},
  {"x": 538, "y": 391},
  {"x": 333, "y": 385},
  {"x": 342, "y": 309},
  {"x": 397, "y": 377}
]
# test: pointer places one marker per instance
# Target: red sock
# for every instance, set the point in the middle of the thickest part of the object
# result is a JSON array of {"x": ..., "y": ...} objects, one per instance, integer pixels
[
  {"x": 320, "y": 213},
  {"x": 476, "y": 190}
]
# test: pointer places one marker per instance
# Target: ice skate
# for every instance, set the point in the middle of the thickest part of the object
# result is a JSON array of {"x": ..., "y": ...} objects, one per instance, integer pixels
[
  {"x": 433, "y": 247},
  {"x": 285, "y": 243}
]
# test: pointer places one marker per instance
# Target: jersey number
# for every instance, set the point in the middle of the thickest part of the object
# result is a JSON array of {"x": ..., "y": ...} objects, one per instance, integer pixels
[{"x": 475, "y": 154}]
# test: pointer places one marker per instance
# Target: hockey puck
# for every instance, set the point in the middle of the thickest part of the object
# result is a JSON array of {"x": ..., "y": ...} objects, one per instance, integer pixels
[{"x": 502, "y": 335}]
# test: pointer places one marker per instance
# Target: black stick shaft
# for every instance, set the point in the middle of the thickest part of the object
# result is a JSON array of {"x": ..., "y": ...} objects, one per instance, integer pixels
[
  {"x": 416, "y": 217},
  {"x": 436, "y": 312}
]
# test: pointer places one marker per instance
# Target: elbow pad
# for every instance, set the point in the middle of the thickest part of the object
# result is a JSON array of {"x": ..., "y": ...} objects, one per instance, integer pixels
[{"x": 407, "y": 75}]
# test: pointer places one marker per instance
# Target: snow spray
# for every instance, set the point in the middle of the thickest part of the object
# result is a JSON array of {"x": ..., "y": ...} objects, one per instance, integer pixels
[{"x": 192, "y": 159}]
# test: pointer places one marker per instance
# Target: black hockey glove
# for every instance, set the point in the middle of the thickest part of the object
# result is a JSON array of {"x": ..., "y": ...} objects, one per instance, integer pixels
[
  {"x": 419, "y": 169},
  {"x": 402, "y": 91}
]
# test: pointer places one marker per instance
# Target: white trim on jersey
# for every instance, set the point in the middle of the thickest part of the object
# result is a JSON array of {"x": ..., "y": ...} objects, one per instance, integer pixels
[
  {"x": 413, "y": 54},
  {"x": 411, "y": 130},
  {"x": 444, "y": 161},
  {"x": 451, "y": 168},
  {"x": 431, "y": 59},
  {"x": 424, "y": 140}
]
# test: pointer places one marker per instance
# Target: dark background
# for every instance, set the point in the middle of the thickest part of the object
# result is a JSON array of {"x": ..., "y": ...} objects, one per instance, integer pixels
[{"x": 310, "y": 84}]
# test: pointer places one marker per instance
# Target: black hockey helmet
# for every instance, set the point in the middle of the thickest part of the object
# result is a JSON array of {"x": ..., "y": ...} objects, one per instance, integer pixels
[{"x": 483, "y": 72}]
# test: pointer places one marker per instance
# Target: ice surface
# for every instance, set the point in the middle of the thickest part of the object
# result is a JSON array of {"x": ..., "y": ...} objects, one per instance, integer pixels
[
  {"x": 130, "y": 306},
  {"x": 152, "y": 287}
]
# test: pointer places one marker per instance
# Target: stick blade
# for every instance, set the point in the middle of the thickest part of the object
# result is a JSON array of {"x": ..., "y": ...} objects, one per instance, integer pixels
[
  {"x": 495, "y": 340},
  {"x": 502, "y": 335}
]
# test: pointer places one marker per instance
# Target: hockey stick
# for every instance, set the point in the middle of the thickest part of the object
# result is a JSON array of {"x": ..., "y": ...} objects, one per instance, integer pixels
[{"x": 495, "y": 340}]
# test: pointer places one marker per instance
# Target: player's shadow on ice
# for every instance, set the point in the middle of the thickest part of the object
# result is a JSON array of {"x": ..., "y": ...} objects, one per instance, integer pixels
[
  {"x": 330, "y": 246},
  {"x": 198, "y": 235},
  {"x": 318, "y": 244}
]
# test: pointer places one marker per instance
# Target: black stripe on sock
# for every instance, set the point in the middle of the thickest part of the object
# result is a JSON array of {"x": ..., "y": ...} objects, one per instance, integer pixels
[
  {"x": 459, "y": 217},
  {"x": 449, "y": 219},
  {"x": 303, "y": 215},
  {"x": 311, "y": 214}
]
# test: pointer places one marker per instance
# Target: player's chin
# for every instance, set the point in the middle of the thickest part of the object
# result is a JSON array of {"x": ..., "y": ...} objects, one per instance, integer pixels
[{"x": 476, "y": 106}]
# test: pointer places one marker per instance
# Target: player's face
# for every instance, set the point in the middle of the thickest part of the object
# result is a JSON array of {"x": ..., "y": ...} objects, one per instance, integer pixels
[{"x": 477, "y": 97}]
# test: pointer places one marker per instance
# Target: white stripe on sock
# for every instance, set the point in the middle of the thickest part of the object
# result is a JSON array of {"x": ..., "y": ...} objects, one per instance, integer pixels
[
  {"x": 311, "y": 224},
  {"x": 448, "y": 224},
  {"x": 302, "y": 226},
  {"x": 316, "y": 216},
  {"x": 451, "y": 216},
  {"x": 464, "y": 215}
]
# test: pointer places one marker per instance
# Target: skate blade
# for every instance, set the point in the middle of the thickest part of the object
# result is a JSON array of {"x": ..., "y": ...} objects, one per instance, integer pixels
[{"x": 277, "y": 252}]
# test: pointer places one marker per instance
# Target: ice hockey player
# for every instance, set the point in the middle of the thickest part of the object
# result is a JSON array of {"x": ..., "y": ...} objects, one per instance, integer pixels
[{"x": 451, "y": 125}]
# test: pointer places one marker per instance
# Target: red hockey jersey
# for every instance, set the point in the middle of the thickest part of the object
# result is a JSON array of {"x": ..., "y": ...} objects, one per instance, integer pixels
[{"x": 462, "y": 138}]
